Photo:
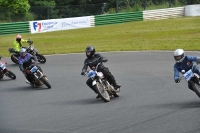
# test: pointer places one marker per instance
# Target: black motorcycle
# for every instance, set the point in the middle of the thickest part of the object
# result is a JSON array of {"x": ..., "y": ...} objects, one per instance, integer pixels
[
  {"x": 30, "y": 49},
  {"x": 5, "y": 71}
]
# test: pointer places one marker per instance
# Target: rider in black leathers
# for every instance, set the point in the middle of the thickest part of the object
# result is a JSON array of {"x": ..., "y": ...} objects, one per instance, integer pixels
[{"x": 92, "y": 60}]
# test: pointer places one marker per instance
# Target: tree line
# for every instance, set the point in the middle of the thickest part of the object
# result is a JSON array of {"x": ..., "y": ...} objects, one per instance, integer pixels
[{"x": 48, "y": 9}]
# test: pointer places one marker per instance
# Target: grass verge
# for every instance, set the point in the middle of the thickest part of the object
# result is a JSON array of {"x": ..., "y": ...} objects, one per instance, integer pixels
[{"x": 168, "y": 34}]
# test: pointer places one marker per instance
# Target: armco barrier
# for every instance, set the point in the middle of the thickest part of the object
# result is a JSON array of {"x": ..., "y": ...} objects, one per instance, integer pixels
[
  {"x": 14, "y": 28},
  {"x": 118, "y": 18},
  {"x": 164, "y": 13}
]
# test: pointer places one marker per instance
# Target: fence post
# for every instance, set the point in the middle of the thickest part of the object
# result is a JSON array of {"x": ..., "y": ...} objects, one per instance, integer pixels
[
  {"x": 144, "y": 5},
  {"x": 48, "y": 13},
  {"x": 116, "y": 6},
  {"x": 170, "y": 3}
]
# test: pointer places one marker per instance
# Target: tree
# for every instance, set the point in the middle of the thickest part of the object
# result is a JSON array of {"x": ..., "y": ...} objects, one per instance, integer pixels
[
  {"x": 16, "y": 6},
  {"x": 43, "y": 9},
  {"x": 17, "y": 9}
]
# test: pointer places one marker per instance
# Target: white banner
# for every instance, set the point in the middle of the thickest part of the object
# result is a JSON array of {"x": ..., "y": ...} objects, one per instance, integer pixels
[
  {"x": 192, "y": 10},
  {"x": 60, "y": 24}
]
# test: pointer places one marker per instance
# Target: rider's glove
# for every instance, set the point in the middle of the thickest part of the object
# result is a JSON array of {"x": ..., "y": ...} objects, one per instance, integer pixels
[
  {"x": 28, "y": 71},
  {"x": 82, "y": 73},
  {"x": 103, "y": 60},
  {"x": 30, "y": 42},
  {"x": 177, "y": 80}
]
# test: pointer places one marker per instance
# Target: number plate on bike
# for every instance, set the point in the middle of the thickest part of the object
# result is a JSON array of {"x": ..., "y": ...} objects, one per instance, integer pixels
[
  {"x": 33, "y": 69},
  {"x": 91, "y": 74},
  {"x": 188, "y": 75},
  {"x": 2, "y": 66}
]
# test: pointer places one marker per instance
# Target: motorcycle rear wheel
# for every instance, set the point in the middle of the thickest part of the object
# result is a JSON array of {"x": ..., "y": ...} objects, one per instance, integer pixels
[
  {"x": 116, "y": 94},
  {"x": 1, "y": 75},
  {"x": 14, "y": 60},
  {"x": 10, "y": 75},
  {"x": 102, "y": 92},
  {"x": 41, "y": 58}
]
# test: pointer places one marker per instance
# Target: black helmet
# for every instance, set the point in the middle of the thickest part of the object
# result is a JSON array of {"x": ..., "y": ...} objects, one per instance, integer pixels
[{"x": 90, "y": 49}]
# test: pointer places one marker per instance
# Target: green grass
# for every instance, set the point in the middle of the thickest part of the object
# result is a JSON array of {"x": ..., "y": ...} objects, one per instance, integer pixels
[{"x": 168, "y": 34}]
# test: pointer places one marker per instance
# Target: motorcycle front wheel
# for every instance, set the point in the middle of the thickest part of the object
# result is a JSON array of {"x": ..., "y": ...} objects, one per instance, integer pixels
[
  {"x": 43, "y": 79},
  {"x": 10, "y": 75},
  {"x": 41, "y": 58},
  {"x": 196, "y": 89},
  {"x": 102, "y": 92},
  {"x": 14, "y": 59}
]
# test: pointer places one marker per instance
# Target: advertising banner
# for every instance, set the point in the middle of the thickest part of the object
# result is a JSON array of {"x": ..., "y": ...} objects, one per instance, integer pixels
[{"x": 59, "y": 24}]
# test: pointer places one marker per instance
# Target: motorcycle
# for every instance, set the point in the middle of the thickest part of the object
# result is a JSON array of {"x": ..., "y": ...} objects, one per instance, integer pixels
[
  {"x": 5, "y": 71},
  {"x": 37, "y": 76},
  {"x": 101, "y": 84},
  {"x": 30, "y": 49},
  {"x": 193, "y": 80}
]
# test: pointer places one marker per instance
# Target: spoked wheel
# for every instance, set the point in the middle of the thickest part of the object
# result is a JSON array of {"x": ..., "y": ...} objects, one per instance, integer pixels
[
  {"x": 14, "y": 59},
  {"x": 10, "y": 75},
  {"x": 41, "y": 58},
  {"x": 44, "y": 80},
  {"x": 102, "y": 92},
  {"x": 196, "y": 89},
  {"x": 1, "y": 74}
]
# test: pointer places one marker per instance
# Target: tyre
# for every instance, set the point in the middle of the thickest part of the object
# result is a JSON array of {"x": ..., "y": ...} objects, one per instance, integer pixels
[
  {"x": 14, "y": 59},
  {"x": 41, "y": 58},
  {"x": 116, "y": 94},
  {"x": 43, "y": 79},
  {"x": 1, "y": 74},
  {"x": 102, "y": 92},
  {"x": 196, "y": 89},
  {"x": 10, "y": 75}
]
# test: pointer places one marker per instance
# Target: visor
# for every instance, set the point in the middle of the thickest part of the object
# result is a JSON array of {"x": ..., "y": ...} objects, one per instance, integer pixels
[{"x": 177, "y": 58}]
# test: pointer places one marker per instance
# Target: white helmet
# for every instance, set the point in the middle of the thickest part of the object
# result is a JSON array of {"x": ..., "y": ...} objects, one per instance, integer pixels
[
  {"x": 179, "y": 55},
  {"x": 22, "y": 52}
]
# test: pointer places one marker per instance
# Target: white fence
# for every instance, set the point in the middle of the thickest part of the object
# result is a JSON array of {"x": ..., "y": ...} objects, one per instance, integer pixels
[{"x": 164, "y": 13}]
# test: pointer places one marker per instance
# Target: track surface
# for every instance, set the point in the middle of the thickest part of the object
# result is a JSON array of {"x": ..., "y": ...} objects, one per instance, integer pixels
[{"x": 150, "y": 101}]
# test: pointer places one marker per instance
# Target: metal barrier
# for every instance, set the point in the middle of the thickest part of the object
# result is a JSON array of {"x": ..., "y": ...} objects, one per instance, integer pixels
[
  {"x": 14, "y": 28},
  {"x": 118, "y": 18},
  {"x": 164, "y": 13}
]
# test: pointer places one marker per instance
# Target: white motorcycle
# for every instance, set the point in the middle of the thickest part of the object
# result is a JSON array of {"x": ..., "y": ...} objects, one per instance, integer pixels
[
  {"x": 193, "y": 80},
  {"x": 5, "y": 71},
  {"x": 101, "y": 84}
]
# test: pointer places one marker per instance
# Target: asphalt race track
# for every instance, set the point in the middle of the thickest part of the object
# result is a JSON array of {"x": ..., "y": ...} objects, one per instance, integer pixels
[{"x": 150, "y": 101}]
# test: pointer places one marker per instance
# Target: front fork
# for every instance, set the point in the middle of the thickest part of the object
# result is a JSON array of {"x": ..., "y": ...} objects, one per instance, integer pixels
[{"x": 38, "y": 77}]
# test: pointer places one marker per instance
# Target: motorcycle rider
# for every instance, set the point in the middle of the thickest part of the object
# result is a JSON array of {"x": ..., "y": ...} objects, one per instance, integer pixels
[
  {"x": 92, "y": 60},
  {"x": 5, "y": 70},
  {"x": 185, "y": 62},
  {"x": 25, "y": 60},
  {"x": 18, "y": 43}
]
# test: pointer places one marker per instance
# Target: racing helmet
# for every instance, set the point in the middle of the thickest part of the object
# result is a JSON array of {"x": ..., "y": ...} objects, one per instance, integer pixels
[
  {"x": 18, "y": 38},
  {"x": 179, "y": 55},
  {"x": 22, "y": 52},
  {"x": 90, "y": 49}
]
